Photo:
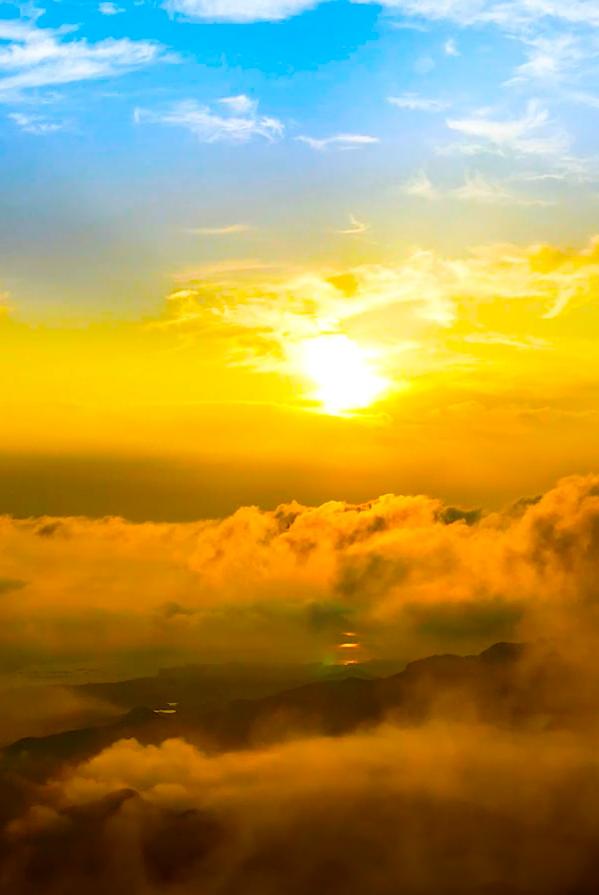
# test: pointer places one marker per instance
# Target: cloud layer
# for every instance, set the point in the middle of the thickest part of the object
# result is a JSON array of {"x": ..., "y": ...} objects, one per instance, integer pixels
[
  {"x": 432, "y": 810},
  {"x": 409, "y": 574}
]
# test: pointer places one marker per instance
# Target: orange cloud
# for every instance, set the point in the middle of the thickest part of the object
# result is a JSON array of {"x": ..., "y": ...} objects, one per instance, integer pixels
[{"x": 411, "y": 574}]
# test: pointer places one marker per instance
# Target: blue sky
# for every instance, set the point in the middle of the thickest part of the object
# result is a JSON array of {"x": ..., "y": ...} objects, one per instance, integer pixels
[{"x": 141, "y": 140}]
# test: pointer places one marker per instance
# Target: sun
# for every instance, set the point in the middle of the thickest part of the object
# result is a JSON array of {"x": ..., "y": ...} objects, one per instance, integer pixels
[{"x": 342, "y": 372}]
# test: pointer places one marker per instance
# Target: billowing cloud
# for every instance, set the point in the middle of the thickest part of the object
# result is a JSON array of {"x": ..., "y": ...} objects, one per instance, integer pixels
[
  {"x": 439, "y": 809},
  {"x": 393, "y": 569}
]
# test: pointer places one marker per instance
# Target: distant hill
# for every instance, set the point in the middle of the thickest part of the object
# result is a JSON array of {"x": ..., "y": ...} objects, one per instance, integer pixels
[{"x": 507, "y": 683}]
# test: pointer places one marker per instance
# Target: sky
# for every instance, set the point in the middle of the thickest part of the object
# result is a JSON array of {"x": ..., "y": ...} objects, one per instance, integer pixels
[
  {"x": 269, "y": 250},
  {"x": 298, "y": 369}
]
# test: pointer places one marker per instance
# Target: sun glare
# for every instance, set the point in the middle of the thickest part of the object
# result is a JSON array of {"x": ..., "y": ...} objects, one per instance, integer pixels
[{"x": 342, "y": 372}]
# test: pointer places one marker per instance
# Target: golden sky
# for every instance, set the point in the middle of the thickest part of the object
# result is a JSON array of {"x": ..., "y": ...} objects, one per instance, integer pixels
[{"x": 473, "y": 377}]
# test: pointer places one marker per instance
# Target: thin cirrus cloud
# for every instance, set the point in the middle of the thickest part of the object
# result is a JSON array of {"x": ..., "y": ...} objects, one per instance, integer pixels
[
  {"x": 33, "y": 57},
  {"x": 476, "y": 189},
  {"x": 552, "y": 59},
  {"x": 526, "y": 134},
  {"x": 229, "y": 230},
  {"x": 338, "y": 141},
  {"x": 210, "y": 126},
  {"x": 415, "y": 103},
  {"x": 508, "y": 14},
  {"x": 356, "y": 229},
  {"x": 421, "y": 187},
  {"x": 35, "y": 124}
]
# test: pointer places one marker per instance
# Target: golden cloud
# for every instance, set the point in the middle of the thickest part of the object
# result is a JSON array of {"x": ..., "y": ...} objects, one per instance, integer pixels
[
  {"x": 439, "y": 809},
  {"x": 409, "y": 573}
]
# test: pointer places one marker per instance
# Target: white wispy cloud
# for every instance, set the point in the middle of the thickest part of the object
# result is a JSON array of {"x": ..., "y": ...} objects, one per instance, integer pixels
[
  {"x": 476, "y": 188},
  {"x": 421, "y": 187},
  {"x": 36, "y": 124},
  {"x": 450, "y": 48},
  {"x": 340, "y": 141},
  {"x": 34, "y": 57},
  {"x": 509, "y": 14},
  {"x": 357, "y": 227},
  {"x": 229, "y": 230},
  {"x": 210, "y": 126},
  {"x": 551, "y": 59},
  {"x": 240, "y": 11},
  {"x": 523, "y": 343},
  {"x": 583, "y": 98},
  {"x": 526, "y": 134},
  {"x": 416, "y": 103}
]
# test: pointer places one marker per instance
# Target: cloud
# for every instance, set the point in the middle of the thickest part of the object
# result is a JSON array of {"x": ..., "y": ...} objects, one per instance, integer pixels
[
  {"x": 394, "y": 810},
  {"x": 550, "y": 59},
  {"x": 531, "y": 135},
  {"x": 339, "y": 141},
  {"x": 523, "y": 135},
  {"x": 239, "y": 11},
  {"x": 33, "y": 57},
  {"x": 229, "y": 230},
  {"x": 450, "y": 48},
  {"x": 269, "y": 319},
  {"x": 210, "y": 126},
  {"x": 511, "y": 15},
  {"x": 421, "y": 187},
  {"x": 240, "y": 105},
  {"x": 478, "y": 188},
  {"x": 416, "y": 103},
  {"x": 110, "y": 9},
  {"x": 35, "y": 124},
  {"x": 356, "y": 229},
  {"x": 253, "y": 581}
]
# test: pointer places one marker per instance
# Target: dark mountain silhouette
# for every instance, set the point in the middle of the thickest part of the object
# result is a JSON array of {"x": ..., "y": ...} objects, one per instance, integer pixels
[{"x": 506, "y": 684}]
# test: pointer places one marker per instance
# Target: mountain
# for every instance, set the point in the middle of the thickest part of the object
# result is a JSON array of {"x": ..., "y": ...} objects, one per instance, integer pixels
[{"x": 507, "y": 683}]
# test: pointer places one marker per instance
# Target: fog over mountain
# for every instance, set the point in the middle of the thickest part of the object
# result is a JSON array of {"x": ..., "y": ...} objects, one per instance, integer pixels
[{"x": 474, "y": 774}]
